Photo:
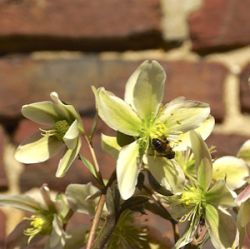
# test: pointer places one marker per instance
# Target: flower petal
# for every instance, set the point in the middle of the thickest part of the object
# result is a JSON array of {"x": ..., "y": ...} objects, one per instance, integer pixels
[
  {"x": 68, "y": 159},
  {"x": 244, "y": 151},
  {"x": 22, "y": 202},
  {"x": 145, "y": 89},
  {"x": 243, "y": 220},
  {"x": 110, "y": 145},
  {"x": 62, "y": 112},
  {"x": 181, "y": 115},
  {"x": 40, "y": 112},
  {"x": 116, "y": 113},
  {"x": 221, "y": 227},
  {"x": 205, "y": 129},
  {"x": 203, "y": 160},
  {"x": 71, "y": 136},
  {"x": 66, "y": 111},
  {"x": 244, "y": 195},
  {"x": 189, "y": 234},
  {"x": 38, "y": 149},
  {"x": 58, "y": 236},
  {"x": 78, "y": 194},
  {"x": 232, "y": 169},
  {"x": 127, "y": 169},
  {"x": 220, "y": 194},
  {"x": 167, "y": 172}
]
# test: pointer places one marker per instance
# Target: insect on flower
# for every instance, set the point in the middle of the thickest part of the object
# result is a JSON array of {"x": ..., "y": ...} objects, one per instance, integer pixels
[{"x": 162, "y": 147}]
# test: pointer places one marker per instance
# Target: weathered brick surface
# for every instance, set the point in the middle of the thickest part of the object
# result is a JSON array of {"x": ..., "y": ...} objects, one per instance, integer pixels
[
  {"x": 220, "y": 24},
  {"x": 2, "y": 228},
  {"x": 3, "y": 177},
  {"x": 32, "y": 80},
  {"x": 82, "y": 24},
  {"x": 226, "y": 145},
  {"x": 245, "y": 89},
  {"x": 34, "y": 175},
  {"x": 198, "y": 81}
]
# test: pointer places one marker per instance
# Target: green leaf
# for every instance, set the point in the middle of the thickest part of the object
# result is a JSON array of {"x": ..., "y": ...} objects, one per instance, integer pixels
[
  {"x": 113, "y": 199},
  {"x": 145, "y": 89},
  {"x": 79, "y": 197},
  {"x": 22, "y": 202},
  {"x": 159, "y": 210},
  {"x": 89, "y": 165},
  {"x": 123, "y": 139},
  {"x": 221, "y": 227}
]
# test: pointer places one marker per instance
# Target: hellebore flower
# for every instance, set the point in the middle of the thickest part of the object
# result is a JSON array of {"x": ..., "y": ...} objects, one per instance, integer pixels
[
  {"x": 204, "y": 201},
  {"x": 155, "y": 130},
  {"x": 47, "y": 218},
  {"x": 64, "y": 131}
]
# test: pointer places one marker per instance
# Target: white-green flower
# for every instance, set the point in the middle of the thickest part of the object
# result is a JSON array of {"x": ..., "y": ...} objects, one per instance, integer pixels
[
  {"x": 63, "y": 129},
  {"x": 205, "y": 201},
  {"x": 142, "y": 116},
  {"x": 46, "y": 220}
]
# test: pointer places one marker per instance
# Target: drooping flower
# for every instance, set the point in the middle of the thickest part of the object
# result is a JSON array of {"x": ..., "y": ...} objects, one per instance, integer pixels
[
  {"x": 156, "y": 131},
  {"x": 204, "y": 203},
  {"x": 63, "y": 131},
  {"x": 47, "y": 218}
]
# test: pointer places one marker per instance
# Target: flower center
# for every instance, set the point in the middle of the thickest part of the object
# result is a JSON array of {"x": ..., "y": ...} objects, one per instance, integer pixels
[
  {"x": 38, "y": 224},
  {"x": 59, "y": 130},
  {"x": 192, "y": 196},
  {"x": 158, "y": 130}
]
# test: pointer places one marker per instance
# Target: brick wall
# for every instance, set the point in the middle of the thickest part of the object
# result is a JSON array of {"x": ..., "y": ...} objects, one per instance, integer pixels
[{"x": 67, "y": 46}]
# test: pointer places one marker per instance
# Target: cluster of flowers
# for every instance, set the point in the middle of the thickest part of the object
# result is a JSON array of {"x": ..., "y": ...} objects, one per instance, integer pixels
[{"x": 164, "y": 140}]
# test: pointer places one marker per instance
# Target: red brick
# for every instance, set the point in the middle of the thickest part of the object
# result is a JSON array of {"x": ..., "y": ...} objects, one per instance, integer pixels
[
  {"x": 226, "y": 145},
  {"x": 220, "y": 24},
  {"x": 34, "y": 175},
  {"x": 198, "y": 81},
  {"x": 2, "y": 229},
  {"x": 82, "y": 24},
  {"x": 32, "y": 80},
  {"x": 245, "y": 89},
  {"x": 3, "y": 177}
]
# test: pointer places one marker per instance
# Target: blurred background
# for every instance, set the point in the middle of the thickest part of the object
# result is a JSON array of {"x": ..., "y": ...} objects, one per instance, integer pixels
[{"x": 67, "y": 46}]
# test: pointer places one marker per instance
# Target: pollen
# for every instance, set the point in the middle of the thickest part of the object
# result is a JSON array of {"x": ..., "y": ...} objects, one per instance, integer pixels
[
  {"x": 38, "y": 225},
  {"x": 192, "y": 196},
  {"x": 158, "y": 130}
]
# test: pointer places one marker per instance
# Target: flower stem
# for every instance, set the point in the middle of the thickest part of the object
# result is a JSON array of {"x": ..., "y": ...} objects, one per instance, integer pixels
[
  {"x": 95, "y": 162},
  {"x": 98, "y": 213}
]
